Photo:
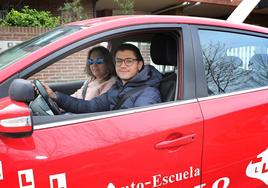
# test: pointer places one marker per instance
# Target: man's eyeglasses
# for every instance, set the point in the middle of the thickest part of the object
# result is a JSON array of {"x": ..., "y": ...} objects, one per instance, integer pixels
[
  {"x": 98, "y": 61},
  {"x": 128, "y": 61}
]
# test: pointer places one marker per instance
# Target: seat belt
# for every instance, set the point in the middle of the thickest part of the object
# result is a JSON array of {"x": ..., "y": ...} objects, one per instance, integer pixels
[
  {"x": 84, "y": 91},
  {"x": 127, "y": 95}
]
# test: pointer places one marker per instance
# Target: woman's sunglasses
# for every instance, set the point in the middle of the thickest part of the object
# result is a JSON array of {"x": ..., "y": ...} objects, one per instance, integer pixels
[{"x": 98, "y": 61}]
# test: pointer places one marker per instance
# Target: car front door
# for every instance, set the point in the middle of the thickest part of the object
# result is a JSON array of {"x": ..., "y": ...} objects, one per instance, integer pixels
[{"x": 152, "y": 146}]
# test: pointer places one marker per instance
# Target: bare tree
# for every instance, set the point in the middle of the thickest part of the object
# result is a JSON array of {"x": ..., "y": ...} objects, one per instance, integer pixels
[{"x": 223, "y": 72}]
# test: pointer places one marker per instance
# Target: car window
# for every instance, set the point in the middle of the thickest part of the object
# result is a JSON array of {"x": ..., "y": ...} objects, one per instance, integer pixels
[
  {"x": 67, "y": 73},
  {"x": 234, "y": 62},
  {"x": 18, "y": 52}
]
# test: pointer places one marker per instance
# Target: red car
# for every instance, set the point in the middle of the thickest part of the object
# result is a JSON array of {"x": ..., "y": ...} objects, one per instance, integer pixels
[{"x": 210, "y": 131}]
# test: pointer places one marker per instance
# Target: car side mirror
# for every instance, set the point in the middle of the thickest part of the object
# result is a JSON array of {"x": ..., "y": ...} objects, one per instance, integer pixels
[
  {"x": 15, "y": 118},
  {"x": 21, "y": 90}
]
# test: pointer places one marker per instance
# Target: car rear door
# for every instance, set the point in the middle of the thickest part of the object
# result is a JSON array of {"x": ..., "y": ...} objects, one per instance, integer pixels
[{"x": 236, "y": 109}]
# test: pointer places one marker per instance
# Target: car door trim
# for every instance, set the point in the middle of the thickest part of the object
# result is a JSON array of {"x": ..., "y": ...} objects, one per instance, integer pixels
[
  {"x": 116, "y": 113},
  {"x": 232, "y": 93}
]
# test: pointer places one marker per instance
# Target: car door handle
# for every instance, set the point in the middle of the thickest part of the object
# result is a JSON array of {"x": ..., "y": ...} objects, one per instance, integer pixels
[{"x": 177, "y": 142}]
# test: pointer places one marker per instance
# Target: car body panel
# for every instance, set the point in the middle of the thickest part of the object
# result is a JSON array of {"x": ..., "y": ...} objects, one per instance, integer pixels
[
  {"x": 110, "y": 150},
  {"x": 236, "y": 131},
  {"x": 15, "y": 117}
]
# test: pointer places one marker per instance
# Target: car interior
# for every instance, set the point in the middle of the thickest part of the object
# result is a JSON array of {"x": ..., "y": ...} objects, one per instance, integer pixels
[{"x": 162, "y": 52}]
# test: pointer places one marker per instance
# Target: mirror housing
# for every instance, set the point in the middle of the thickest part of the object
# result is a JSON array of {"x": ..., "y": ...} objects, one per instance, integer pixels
[
  {"x": 15, "y": 117},
  {"x": 21, "y": 90}
]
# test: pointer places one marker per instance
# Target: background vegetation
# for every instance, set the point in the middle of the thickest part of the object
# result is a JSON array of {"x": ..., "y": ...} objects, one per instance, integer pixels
[
  {"x": 72, "y": 11},
  {"x": 127, "y": 6},
  {"x": 27, "y": 17}
]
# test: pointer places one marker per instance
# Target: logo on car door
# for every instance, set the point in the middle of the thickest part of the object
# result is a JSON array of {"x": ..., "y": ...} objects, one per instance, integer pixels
[{"x": 258, "y": 168}]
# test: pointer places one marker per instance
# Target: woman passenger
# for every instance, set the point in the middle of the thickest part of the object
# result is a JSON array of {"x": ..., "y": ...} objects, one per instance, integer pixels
[{"x": 101, "y": 71}]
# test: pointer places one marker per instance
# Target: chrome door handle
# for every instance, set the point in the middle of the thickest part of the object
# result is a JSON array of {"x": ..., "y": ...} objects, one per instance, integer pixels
[{"x": 177, "y": 142}]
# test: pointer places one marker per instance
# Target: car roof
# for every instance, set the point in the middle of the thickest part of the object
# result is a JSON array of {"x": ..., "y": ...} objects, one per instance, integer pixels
[{"x": 114, "y": 21}]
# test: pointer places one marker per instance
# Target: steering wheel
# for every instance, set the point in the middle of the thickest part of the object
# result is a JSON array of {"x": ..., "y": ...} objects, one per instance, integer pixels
[{"x": 51, "y": 104}]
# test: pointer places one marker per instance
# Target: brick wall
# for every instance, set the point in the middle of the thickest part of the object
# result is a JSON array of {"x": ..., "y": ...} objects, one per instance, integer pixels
[
  {"x": 70, "y": 68},
  {"x": 20, "y": 33}
]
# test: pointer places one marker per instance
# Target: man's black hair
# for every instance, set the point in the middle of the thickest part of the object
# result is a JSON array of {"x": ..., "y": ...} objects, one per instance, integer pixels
[{"x": 131, "y": 47}]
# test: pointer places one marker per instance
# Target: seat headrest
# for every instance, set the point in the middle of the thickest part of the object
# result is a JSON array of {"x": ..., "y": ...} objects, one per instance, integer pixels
[
  {"x": 234, "y": 60},
  {"x": 258, "y": 61},
  {"x": 163, "y": 50}
]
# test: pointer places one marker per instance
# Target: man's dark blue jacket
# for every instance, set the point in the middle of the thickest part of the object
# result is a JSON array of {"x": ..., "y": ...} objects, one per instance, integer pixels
[{"x": 107, "y": 101}]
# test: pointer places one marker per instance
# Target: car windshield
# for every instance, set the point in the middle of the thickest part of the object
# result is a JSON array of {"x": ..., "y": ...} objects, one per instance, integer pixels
[{"x": 18, "y": 52}]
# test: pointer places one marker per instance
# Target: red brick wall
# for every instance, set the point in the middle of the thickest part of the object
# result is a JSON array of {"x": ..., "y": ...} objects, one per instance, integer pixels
[
  {"x": 68, "y": 69},
  {"x": 20, "y": 33}
]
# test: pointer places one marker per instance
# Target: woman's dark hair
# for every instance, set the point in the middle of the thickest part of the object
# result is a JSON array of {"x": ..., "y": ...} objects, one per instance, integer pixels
[
  {"x": 108, "y": 60},
  {"x": 131, "y": 47}
]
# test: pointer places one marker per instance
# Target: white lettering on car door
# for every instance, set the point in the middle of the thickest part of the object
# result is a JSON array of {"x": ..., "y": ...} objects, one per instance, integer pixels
[
  {"x": 26, "y": 178},
  {"x": 160, "y": 180},
  {"x": 58, "y": 181},
  {"x": 1, "y": 171}
]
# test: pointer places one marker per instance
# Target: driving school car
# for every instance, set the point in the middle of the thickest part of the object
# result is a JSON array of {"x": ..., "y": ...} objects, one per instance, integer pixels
[{"x": 209, "y": 131}]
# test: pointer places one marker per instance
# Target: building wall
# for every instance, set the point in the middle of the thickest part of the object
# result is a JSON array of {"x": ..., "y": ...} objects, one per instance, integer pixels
[
  {"x": 20, "y": 33},
  {"x": 70, "y": 68}
]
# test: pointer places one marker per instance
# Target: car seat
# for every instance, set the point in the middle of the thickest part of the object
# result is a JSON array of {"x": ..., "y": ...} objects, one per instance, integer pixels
[
  {"x": 163, "y": 51},
  {"x": 258, "y": 62},
  {"x": 258, "y": 65}
]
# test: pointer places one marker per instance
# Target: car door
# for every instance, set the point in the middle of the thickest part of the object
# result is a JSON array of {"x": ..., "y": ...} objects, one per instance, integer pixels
[
  {"x": 235, "y": 111},
  {"x": 151, "y": 146}
]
